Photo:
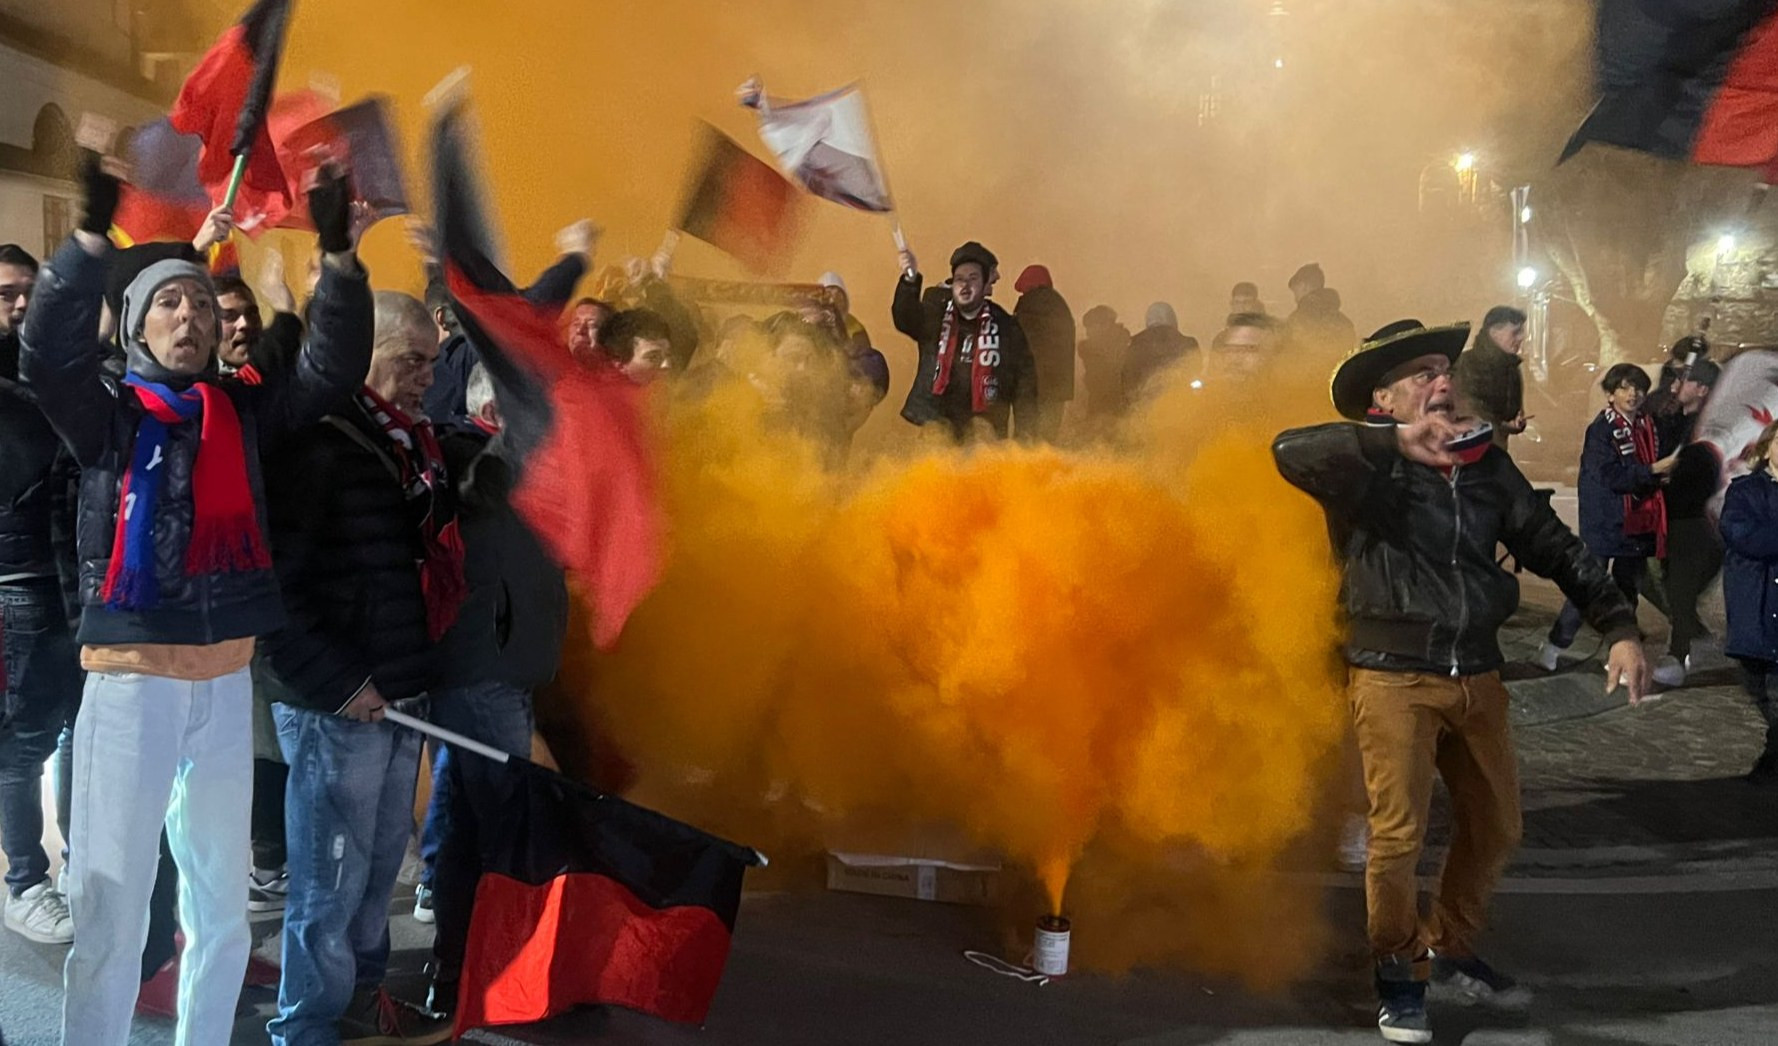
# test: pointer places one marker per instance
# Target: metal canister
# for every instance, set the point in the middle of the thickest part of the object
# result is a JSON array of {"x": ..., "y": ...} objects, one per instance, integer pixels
[{"x": 1049, "y": 953}]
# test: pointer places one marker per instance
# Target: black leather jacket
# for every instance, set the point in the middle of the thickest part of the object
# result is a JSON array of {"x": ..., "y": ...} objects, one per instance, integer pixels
[
  {"x": 61, "y": 360},
  {"x": 28, "y": 476},
  {"x": 1422, "y": 591}
]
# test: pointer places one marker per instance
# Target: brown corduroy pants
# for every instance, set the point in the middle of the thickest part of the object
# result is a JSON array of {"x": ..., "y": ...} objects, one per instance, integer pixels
[{"x": 1410, "y": 727}]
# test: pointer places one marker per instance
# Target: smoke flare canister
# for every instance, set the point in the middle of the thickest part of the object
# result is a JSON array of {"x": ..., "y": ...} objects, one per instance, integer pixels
[{"x": 1049, "y": 954}]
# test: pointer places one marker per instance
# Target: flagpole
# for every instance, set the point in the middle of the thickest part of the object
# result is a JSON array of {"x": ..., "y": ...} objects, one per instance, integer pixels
[
  {"x": 234, "y": 181},
  {"x": 449, "y": 737}
]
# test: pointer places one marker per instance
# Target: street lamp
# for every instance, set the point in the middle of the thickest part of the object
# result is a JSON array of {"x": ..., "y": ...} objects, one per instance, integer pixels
[
  {"x": 1525, "y": 215},
  {"x": 1527, "y": 278},
  {"x": 1725, "y": 244},
  {"x": 1464, "y": 163}
]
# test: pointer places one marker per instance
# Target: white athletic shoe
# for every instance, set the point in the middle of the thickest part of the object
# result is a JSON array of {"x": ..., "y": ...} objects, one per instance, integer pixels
[
  {"x": 1550, "y": 655},
  {"x": 40, "y": 914},
  {"x": 1670, "y": 671}
]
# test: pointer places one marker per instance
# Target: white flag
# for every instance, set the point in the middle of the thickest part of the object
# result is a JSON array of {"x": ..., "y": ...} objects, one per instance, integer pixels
[
  {"x": 825, "y": 144},
  {"x": 1743, "y": 403}
]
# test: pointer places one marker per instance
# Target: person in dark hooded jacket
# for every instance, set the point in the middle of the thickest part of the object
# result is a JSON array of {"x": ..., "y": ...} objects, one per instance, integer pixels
[
  {"x": 1049, "y": 327},
  {"x": 39, "y": 661},
  {"x": 176, "y": 583},
  {"x": 1317, "y": 330},
  {"x": 974, "y": 360},
  {"x": 1104, "y": 349},
  {"x": 1157, "y": 349},
  {"x": 1490, "y": 374}
]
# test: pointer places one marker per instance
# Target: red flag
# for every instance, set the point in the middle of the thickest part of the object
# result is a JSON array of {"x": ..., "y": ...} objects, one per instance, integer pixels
[
  {"x": 225, "y": 102},
  {"x": 578, "y": 435},
  {"x": 739, "y": 203}
]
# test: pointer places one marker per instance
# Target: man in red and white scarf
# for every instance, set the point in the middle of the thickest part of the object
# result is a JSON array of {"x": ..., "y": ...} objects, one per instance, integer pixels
[{"x": 974, "y": 359}]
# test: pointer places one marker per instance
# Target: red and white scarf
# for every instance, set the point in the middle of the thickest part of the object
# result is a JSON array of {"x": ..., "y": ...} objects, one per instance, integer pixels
[
  {"x": 1635, "y": 438},
  {"x": 423, "y": 475},
  {"x": 984, "y": 376}
]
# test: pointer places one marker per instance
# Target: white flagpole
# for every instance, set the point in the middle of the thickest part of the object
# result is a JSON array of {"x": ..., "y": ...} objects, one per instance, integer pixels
[{"x": 449, "y": 737}]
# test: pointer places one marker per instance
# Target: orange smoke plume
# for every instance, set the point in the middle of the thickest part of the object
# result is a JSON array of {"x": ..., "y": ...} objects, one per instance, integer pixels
[{"x": 1031, "y": 646}]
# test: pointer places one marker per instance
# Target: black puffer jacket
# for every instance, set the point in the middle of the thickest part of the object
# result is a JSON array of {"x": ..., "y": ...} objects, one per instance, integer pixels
[
  {"x": 28, "y": 473},
  {"x": 511, "y": 627},
  {"x": 62, "y": 362},
  {"x": 1422, "y": 591},
  {"x": 347, "y": 546},
  {"x": 922, "y": 319}
]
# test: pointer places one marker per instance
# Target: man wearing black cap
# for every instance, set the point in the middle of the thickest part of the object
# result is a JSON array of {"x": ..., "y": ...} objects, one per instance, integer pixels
[
  {"x": 1416, "y": 501},
  {"x": 974, "y": 360}
]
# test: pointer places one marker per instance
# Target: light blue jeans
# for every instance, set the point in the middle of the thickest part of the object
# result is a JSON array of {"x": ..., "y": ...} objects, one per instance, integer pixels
[{"x": 348, "y": 812}]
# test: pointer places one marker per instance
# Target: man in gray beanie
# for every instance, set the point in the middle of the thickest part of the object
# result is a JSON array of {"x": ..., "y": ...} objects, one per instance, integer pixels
[
  {"x": 175, "y": 585},
  {"x": 974, "y": 360}
]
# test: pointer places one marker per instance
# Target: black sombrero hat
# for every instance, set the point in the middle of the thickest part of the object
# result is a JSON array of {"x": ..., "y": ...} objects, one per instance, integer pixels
[{"x": 1401, "y": 342}]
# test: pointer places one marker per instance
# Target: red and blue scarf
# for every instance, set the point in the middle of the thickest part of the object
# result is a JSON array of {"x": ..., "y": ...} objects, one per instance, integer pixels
[
  {"x": 225, "y": 536},
  {"x": 984, "y": 375},
  {"x": 1634, "y": 438}
]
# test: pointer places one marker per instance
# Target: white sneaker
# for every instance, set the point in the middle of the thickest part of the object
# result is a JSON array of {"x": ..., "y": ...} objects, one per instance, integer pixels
[
  {"x": 1670, "y": 671},
  {"x": 1355, "y": 844},
  {"x": 40, "y": 914},
  {"x": 268, "y": 890},
  {"x": 1549, "y": 656}
]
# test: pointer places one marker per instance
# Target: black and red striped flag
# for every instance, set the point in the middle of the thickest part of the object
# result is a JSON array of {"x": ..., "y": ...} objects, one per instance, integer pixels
[
  {"x": 578, "y": 435},
  {"x": 225, "y": 101},
  {"x": 1694, "y": 80},
  {"x": 595, "y": 901},
  {"x": 740, "y": 204}
]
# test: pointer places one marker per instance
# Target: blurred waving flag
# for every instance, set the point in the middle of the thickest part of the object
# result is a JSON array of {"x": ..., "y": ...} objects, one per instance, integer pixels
[
  {"x": 736, "y": 202},
  {"x": 225, "y": 102},
  {"x": 361, "y": 138},
  {"x": 1688, "y": 79},
  {"x": 577, "y": 436},
  {"x": 825, "y": 143},
  {"x": 163, "y": 200}
]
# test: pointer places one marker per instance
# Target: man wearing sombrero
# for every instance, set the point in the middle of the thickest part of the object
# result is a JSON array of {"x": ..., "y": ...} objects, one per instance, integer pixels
[{"x": 1416, "y": 501}]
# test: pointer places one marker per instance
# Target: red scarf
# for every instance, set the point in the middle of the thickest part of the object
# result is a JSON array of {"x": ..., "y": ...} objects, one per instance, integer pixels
[
  {"x": 1635, "y": 438},
  {"x": 423, "y": 475},
  {"x": 984, "y": 376}
]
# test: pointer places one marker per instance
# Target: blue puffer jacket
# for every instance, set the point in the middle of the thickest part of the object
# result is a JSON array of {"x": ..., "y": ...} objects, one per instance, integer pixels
[
  {"x": 1749, "y": 527},
  {"x": 1606, "y": 476}
]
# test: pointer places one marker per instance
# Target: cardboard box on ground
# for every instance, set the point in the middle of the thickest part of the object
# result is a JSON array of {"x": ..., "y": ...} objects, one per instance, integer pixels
[{"x": 939, "y": 865}]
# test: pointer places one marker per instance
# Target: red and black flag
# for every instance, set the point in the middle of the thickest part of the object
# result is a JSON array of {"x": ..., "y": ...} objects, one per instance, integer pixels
[
  {"x": 225, "y": 102},
  {"x": 576, "y": 436},
  {"x": 1690, "y": 79},
  {"x": 359, "y": 138},
  {"x": 586, "y": 899},
  {"x": 739, "y": 203}
]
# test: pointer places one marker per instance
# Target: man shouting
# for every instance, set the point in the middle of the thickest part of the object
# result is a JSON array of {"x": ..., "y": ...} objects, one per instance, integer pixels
[{"x": 1415, "y": 518}]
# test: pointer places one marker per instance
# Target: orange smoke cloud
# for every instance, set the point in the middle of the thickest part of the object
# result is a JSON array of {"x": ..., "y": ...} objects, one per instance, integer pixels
[{"x": 1034, "y": 647}]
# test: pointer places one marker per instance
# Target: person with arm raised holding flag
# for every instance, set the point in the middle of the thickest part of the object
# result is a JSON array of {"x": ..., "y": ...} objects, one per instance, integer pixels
[
  {"x": 176, "y": 582},
  {"x": 974, "y": 361}
]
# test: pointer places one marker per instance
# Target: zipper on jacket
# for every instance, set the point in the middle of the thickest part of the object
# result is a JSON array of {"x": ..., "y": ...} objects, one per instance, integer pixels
[{"x": 1456, "y": 571}]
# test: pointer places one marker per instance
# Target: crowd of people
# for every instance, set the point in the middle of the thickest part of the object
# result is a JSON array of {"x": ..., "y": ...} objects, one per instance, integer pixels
[{"x": 229, "y": 546}]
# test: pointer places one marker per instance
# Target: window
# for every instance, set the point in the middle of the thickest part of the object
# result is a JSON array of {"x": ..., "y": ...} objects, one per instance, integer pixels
[{"x": 58, "y": 222}]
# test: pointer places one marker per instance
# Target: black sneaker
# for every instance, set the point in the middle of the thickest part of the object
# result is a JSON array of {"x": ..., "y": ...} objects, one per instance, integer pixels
[
  {"x": 1401, "y": 1002},
  {"x": 1471, "y": 980},
  {"x": 1401, "y": 1016}
]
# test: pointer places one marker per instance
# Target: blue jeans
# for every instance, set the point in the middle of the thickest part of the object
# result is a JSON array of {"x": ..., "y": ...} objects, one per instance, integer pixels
[
  {"x": 497, "y": 714},
  {"x": 1627, "y": 571},
  {"x": 348, "y": 814},
  {"x": 43, "y": 681},
  {"x": 492, "y": 713}
]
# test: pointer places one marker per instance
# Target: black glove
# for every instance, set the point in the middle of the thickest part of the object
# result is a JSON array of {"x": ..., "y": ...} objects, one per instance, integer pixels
[
  {"x": 330, "y": 205},
  {"x": 102, "y": 191}
]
